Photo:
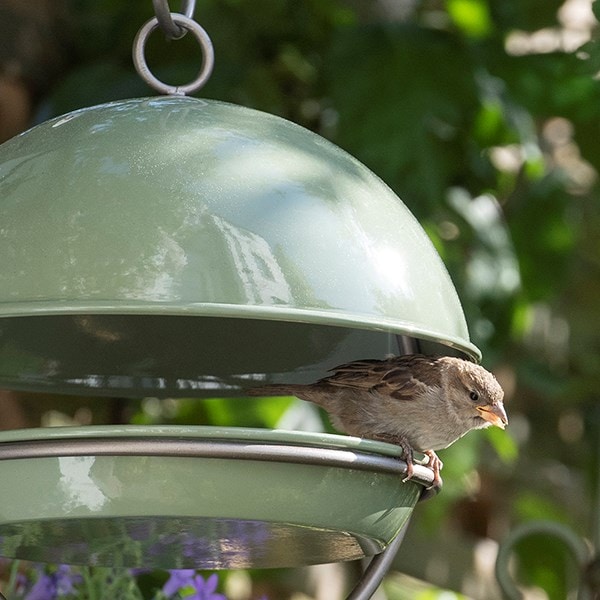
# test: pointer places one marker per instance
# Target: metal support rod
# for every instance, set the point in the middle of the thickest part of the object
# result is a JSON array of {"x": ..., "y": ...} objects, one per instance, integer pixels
[
  {"x": 377, "y": 569},
  {"x": 407, "y": 345},
  {"x": 576, "y": 546},
  {"x": 596, "y": 513}
]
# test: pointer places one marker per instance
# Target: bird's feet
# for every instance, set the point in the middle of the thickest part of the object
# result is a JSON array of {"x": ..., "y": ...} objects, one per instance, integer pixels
[
  {"x": 435, "y": 464},
  {"x": 433, "y": 461}
]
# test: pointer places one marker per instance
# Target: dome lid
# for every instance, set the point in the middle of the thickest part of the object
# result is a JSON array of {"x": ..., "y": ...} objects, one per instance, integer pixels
[{"x": 176, "y": 246}]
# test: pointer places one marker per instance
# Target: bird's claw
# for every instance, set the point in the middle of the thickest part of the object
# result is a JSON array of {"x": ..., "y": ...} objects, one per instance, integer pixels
[
  {"x": 410, "y": 471},
  {"x": 409, "y": 459},
  {"x": 433, "y": 462},
  {"x": 436, "y": 465}
]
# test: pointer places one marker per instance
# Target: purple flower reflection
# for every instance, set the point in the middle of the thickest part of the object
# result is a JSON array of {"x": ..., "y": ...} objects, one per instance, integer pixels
[
  {"x": 187, "y": 578},
  {"x": 58, "y": 583},
  {"x": 205, "y": 590},
  {"x": 179, "y": 578}
]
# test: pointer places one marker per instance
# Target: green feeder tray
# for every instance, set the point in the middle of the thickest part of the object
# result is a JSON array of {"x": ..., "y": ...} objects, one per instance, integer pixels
[
  {"x": 182, "y": 247},
  {"x": 199, "y": 497}
]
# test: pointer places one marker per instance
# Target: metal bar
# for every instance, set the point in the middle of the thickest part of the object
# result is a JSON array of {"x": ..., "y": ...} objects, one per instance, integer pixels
[
  {"x": 573, "y": 543},
  {"x": 407, "y": 345},
  {"x": 164, "y": 17},
  {"x": 180, "y": 447},
  {"x": 596, "y": 513},
  {"x": 377, "y": 569}
]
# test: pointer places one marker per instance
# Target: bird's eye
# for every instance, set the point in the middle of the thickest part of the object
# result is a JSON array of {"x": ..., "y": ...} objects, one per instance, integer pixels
[{"x": 474, "y": 396}]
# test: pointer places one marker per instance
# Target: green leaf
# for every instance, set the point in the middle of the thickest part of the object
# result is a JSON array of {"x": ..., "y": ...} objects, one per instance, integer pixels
[
  {"x": 403, "y": 587},
  {"x": 596, "y": 9},
  {"x": 471, "y": 16},
  {"x": 504, "y": 445}
]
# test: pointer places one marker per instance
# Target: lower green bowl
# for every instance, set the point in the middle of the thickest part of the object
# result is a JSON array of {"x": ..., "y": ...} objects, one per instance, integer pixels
[{"x": 203, "y": 497}]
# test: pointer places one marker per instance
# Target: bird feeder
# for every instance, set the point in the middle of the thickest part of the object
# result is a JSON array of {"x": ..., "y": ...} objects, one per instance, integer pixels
[{"x": 177, "y": 247}]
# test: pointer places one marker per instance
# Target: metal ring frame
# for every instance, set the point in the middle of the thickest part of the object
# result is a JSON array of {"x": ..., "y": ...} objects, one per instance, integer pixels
[
  {"x": 167, "y": 446},
  {"x": 182, "y": 447},
  {"x": 577, "y": 547},
  {"x": 165, "y": 19},
  {"x": 139, "y": 57}
]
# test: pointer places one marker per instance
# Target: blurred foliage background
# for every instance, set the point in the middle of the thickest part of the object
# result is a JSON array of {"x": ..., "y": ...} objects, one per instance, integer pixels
[{"x": 484, "y": 117}]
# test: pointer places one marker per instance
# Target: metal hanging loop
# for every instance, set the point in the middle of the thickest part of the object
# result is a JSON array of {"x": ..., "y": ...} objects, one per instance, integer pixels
[
  {"x": 208, "y": 56},
  {"x": 165, "y": 19},
  {"x": 572, "y": 542}
]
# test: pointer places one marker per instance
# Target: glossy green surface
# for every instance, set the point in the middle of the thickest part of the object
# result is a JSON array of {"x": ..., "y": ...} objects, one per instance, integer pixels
[
  {"x": 178, "y": 511},
  {"x": 274, "y": 254}
]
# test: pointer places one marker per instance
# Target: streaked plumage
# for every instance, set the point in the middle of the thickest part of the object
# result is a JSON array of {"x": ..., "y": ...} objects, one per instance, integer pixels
[{"x": 418, "y": 402}]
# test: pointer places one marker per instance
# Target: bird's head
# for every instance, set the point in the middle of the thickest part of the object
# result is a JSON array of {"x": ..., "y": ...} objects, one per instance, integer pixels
[{"x": 477, "y": 394}]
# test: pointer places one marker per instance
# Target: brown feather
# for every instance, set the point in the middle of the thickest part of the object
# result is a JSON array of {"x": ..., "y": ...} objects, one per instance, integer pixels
[{"x": 392, "y": 376}]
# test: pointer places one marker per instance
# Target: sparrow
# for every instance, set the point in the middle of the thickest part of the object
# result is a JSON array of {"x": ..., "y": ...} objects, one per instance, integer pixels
[{"x": 417, "y": 402}]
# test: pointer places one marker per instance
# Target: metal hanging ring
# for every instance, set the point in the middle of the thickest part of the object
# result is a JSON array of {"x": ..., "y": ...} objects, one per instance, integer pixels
[
  {"x": 208, "y": 56},
  {"x": 574, "y": 544},
  {"x": 166, "y": 21}
]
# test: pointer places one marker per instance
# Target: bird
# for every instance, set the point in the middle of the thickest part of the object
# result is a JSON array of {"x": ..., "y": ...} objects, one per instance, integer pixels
[{"x": 419, "y": 402}]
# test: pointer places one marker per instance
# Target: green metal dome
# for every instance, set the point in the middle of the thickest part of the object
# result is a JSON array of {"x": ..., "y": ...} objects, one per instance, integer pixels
[{"x": 184, "y": 247}]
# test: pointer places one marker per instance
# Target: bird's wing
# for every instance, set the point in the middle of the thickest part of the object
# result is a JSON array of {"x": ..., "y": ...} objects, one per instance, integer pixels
[{"x": 391, "y": 377}]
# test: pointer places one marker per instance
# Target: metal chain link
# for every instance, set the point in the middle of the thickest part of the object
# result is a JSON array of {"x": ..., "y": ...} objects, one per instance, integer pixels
[{"x": 166, "y": 21}]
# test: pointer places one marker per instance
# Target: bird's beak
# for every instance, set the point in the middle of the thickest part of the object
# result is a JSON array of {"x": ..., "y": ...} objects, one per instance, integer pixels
[{"x": 494, "y": 414}]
